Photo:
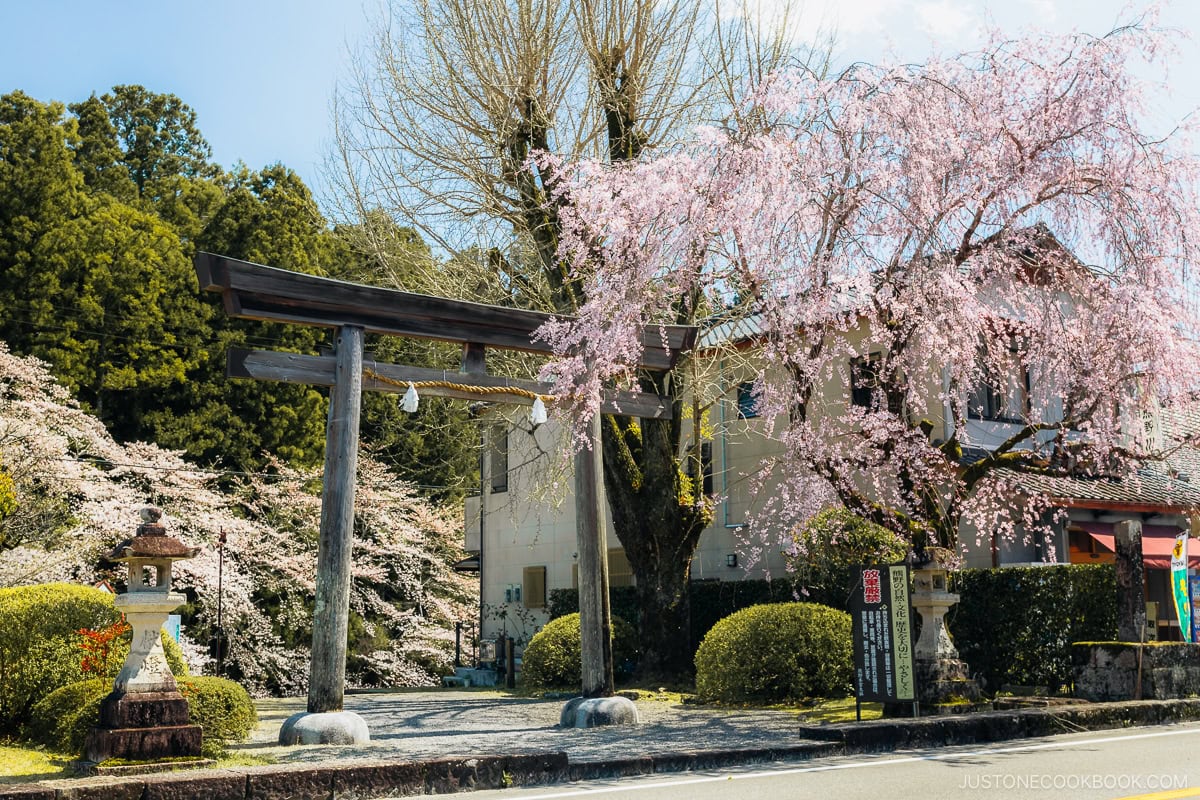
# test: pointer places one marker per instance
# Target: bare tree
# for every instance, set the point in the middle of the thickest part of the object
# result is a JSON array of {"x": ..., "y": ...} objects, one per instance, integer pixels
[{"x": 447, "y": 108}]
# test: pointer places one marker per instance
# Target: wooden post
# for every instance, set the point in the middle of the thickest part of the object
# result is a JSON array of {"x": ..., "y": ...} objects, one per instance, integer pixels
[
  {"x": 1131, "y": 582},
  {"x": 510, "y": 663},
  {"x": 327, "y": 673},
  {"x": 486, "y": 432},
  {"x": 595, "y": 619}
]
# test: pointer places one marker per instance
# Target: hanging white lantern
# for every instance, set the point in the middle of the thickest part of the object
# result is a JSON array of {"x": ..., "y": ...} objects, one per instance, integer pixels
[
  {"x": 538, "y": 414},
  {"x": 411, "y": 400}
]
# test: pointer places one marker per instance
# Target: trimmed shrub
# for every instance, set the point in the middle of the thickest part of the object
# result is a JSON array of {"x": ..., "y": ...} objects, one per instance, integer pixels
[
  {"x": 713, "y": 601},
  {"x": 782, "y": 652},
  {"x": 39, "y": 643},
  {"x": 62, "y": 719},
  {"x": 552, "y": 659},
  {"x": 223, "y": 708},
  {"x": 1015, "y": 625},
  {"x": 831, "y": 545},
  {"x": 41, "y": 648}
]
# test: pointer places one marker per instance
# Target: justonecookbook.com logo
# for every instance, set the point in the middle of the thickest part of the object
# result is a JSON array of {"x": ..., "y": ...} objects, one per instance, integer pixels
[{"x": 1057, "y": 782}]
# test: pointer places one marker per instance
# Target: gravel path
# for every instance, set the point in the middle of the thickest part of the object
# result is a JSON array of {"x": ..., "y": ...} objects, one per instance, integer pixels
[{"x": 433, "y": 723}]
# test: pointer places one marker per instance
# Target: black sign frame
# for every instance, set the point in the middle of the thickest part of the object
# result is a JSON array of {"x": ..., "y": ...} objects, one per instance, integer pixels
[{"x": 880, "y": 607}]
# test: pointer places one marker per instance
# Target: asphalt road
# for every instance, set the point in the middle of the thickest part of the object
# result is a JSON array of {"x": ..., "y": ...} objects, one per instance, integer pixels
[{"x": 1145, "y": 763}]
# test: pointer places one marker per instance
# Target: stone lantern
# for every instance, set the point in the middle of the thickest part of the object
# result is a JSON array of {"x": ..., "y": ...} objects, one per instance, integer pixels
[
  {"x": 145, "y": 717},
  {"x": 941, "y": 675}
]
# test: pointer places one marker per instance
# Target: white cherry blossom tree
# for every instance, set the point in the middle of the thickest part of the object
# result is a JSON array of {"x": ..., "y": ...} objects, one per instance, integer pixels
[{"x": 78, "y": 493}]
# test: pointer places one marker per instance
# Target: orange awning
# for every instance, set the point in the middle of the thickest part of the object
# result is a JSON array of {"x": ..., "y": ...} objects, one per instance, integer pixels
[{"x": 1157, "y": 542}]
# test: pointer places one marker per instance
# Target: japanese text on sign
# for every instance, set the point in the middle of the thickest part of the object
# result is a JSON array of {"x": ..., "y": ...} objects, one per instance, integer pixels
[{"x": 883, "y": 635}]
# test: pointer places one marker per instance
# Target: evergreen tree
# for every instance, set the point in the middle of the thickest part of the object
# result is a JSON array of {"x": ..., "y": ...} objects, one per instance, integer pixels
[
  {"x": 104, "y": 302},
  {"x": 39, "y": 188},
  {"x": 101, "y": 213},
  {"x": 98, "y": 154},
  {"x": 268, "y": 217},
  {"x": 158, "y": 137}
]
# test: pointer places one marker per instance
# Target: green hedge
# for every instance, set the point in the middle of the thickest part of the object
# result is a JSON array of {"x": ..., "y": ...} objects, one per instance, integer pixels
[
  {"x": 776, "y": 653},
  {"x": 622, "y": 600},
  {"x": 710, "y": 601},
  {"x": 552, "y": 659},
  {"x": 220, "y": 706},
  {"x": 39, "y": 646},
  {"x": 1015, "y": 625},
  {"x": 62, "y": 719}
]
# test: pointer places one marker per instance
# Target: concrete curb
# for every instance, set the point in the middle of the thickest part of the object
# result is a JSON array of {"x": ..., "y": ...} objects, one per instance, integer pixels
[
  {"x": 995, "y": 726},
  {"x": 699, "y": 760},
  {"x": 350, "y": 779},
  {"x": 359, "y": 780}
]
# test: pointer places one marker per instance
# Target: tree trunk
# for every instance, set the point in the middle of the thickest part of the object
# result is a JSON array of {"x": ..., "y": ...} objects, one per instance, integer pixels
[
  {"x": 659, "y": 534},
  {"x": 665, "y": 644}
]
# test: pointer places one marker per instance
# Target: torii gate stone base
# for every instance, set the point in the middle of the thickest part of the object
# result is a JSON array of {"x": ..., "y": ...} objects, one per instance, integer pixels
[{"x": 254, "y": 291}]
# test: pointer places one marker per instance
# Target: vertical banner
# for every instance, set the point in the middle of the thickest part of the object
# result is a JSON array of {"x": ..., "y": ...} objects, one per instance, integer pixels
[
  {"x": 880, "y": 609},
  {"x": 1179, "y": 586},
  {"x": 1194, "y": 584}
]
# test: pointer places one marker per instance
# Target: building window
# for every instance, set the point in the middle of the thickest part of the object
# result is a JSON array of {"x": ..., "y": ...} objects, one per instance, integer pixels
[
  {"x": 747, "y": 402},
  {"x": 1002, "y": 396},
  {"x": 533, "y": 587},
  {"x": 619, "y": 571},
  {"x": 499, "y": 444},
  {"x": 866, "y": 388}
]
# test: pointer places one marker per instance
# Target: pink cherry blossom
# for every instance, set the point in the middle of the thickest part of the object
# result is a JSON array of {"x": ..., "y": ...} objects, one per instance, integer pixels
[{"x": 995, "y": 214}]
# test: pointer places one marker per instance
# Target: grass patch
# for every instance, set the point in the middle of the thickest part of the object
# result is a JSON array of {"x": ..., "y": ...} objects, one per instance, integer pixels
[
  {"x": 128, "y": 762},
  {"x": 839, "y": 710},
  {"x": 235, "y": 758},
  {"x": 22, "y": 764},
  {"x": 657, "y": 695}
]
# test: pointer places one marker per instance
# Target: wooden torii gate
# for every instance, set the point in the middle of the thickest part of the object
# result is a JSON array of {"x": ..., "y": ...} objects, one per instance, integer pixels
[{"x": 254, "y": 291}]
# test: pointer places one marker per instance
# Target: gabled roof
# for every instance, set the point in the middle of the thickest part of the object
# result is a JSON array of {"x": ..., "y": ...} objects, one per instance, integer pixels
[{"x": 1171, "y": 485}]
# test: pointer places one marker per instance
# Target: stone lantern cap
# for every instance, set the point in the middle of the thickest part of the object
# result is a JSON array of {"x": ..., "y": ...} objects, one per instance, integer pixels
[{"x": 151, "y": 541}]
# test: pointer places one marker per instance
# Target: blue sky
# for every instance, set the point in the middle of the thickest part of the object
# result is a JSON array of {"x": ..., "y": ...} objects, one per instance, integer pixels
[{"x": 260, "y": 73}]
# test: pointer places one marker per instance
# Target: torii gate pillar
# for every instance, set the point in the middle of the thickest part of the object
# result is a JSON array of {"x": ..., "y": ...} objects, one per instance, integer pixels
[{"x": 326, "y": 722}]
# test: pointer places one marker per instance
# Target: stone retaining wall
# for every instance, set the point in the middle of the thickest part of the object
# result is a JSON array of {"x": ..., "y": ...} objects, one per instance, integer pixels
[{"x": 1106, "y": 671}]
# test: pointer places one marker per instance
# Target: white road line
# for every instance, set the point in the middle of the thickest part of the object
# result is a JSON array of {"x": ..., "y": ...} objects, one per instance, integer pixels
[{"x": 859, "y": 764}]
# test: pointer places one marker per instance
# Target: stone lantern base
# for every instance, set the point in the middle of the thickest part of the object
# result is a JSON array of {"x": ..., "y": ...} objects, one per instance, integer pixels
[
  {"x": 945, "y": 681},
  {"x": 143, "y": 726}
]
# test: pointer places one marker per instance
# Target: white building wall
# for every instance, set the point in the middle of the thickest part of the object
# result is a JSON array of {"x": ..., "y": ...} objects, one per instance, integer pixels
[{"x": 533, "y": 522}]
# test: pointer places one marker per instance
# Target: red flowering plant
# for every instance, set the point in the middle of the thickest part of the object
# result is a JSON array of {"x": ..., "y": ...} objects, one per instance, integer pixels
[{"x": 97, "y": 647}]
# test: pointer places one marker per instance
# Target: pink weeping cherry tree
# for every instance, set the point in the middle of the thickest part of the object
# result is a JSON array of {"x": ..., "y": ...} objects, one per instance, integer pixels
[{"x": 911, "y": 252}]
